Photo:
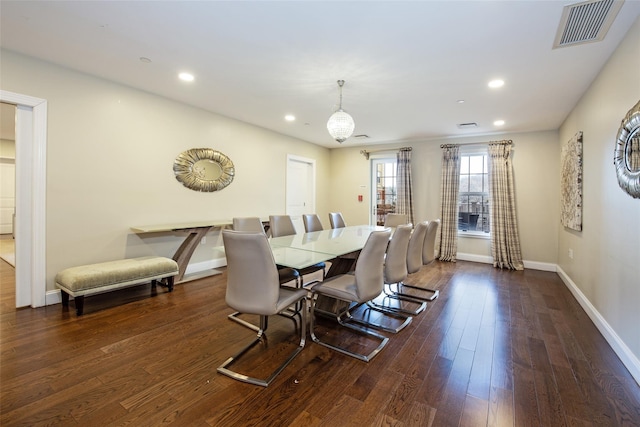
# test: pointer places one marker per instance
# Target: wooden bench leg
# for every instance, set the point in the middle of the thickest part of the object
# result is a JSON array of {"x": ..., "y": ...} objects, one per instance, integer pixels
[
  {"x": 65, "y": 298},
  {"x": 79, "y": 305},
  {"x": 166, "y": 282}
]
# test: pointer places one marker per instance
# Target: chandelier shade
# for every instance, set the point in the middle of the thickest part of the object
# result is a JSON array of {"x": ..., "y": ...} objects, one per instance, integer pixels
[{"x": 340, "y": 124}]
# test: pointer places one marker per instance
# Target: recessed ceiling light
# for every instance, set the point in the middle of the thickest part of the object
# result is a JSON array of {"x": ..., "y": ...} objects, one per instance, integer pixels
[
  {"x": 496, "y": 83},
  {"x": 289, "y": 117},
  {"x": 498, "y": 123},
  {"x": 186, "y": 77}
]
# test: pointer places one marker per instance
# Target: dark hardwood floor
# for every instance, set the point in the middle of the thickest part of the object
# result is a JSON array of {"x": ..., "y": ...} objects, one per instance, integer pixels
[{"x": 498, "y": 348}]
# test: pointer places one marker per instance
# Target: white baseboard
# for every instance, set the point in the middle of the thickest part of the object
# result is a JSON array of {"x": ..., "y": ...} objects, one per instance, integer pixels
[
  {"x": 474, "y": 258},
  {"x": 53, "y": 297},
  {"x": 629, "y": 360},
  {"x": 533, "y": 265},
  {"x": 543, "y": 266},
  {"x": 206, "y": 265}
]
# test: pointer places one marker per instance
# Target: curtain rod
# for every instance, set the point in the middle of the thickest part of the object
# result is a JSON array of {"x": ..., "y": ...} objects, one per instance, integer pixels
[
  {"x": 366, "y": 153},
  {"x": 504, "y": 141}
]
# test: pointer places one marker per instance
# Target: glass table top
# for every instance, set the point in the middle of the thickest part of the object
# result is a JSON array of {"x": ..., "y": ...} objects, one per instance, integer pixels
[
  {"x": 338, "y": 241},
  {"x": 298, "y": 258}
]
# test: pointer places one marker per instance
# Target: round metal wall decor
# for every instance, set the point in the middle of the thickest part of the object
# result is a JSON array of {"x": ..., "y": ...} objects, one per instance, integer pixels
[
  {"x": 204, "y": 169},
  {"x": 627, "y": 153}
]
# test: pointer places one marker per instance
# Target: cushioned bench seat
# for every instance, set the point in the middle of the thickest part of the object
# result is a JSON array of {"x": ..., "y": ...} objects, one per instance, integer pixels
[{"x": 107, "y": 276}]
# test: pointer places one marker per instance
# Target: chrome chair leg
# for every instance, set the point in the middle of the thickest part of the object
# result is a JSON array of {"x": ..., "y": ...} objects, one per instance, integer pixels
[
  {"x": 435, "y": 293},
  {"x": 368, "y": 324},
  {"x": 388, "y": 293},
  {"x": 234, "y": 316},
  {"x": 361, "y": 331},
  {"x": 290, "y": 313},
  {"x": 261, "y": 337}
]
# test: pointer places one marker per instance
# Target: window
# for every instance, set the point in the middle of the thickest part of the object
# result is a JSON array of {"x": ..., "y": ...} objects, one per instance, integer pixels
[
  {"x": 384, "y": 185},
  {"x": 473, "y": 199}
]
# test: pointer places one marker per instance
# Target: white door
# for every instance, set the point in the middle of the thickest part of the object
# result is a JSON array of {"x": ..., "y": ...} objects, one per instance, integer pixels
[
  {"x": 7, "y": 195},
  {"x": 301, "y": 186}
]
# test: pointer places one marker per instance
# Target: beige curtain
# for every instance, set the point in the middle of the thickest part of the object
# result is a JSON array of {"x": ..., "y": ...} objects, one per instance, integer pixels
[
  {"x": 404, "y": 201},
  {"x": 449, "y": 204},
  {"x": 505, "y": 242}
]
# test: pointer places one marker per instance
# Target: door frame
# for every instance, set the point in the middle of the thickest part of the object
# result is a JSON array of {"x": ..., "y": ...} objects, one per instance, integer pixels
[{"x": 31, "y": 183}]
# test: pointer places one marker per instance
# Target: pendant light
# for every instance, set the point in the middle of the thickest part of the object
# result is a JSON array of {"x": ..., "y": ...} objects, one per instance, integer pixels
[{"x": 340, "y": 124}]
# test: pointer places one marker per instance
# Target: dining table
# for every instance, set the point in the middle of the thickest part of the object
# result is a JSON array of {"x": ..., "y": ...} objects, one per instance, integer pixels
[{"x": 340, "y": 246}]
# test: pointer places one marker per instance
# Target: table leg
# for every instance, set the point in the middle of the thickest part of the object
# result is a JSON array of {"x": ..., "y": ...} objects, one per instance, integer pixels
[
  {"x": 186, "y": 249},
  {"x": 343, "y": 264}
]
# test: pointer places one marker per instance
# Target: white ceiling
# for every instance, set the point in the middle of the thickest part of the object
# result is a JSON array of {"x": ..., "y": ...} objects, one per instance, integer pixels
[{"x": 405, "y": 63}]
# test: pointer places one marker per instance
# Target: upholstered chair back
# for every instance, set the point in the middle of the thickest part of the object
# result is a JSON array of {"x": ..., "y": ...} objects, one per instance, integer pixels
[
  {"x": 311, "y": 223},
  {"x": 395, "y": 263},
  {"x": 252, "y": 223},
  {"x": 395, "y": 219},
  {"x": 281, "y": 225},
  {"x": 369, "y": 273},
  {"x": 429, "y": 248},
  {"x": 416, "y": 243},
  {"x": 336, "y": 220},
  {"x": 253, "y": 284}
]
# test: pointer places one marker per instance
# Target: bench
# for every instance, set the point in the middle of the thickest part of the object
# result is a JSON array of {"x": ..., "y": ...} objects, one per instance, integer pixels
[{"x": 84, "y": 280}]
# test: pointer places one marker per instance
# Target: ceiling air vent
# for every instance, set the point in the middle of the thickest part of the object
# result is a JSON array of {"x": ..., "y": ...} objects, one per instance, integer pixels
[
  {"x": 586, "y": 22},
  {"x": 467, "y": 125}
]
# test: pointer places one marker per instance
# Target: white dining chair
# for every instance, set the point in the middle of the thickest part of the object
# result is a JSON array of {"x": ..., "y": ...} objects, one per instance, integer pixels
[
  {"x": 336, "y": 220},
  {"x": 312, "y": 223},
  {"x": 364, "y": 285},
  {"x": 257, "y": 290},
  {"x": 395, "y": 219}
]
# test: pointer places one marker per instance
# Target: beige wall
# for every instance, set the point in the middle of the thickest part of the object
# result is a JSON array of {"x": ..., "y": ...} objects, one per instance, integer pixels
[
  {"x": 7, "y": 149},
  {"x": 606, "y": 262},
  {"x": 110, "y": 155},
  {"x": 536, "y": 165}
]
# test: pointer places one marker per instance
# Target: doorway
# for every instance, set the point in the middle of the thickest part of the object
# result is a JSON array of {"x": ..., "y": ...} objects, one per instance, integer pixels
[
  {"x": 300, "y": 189},
  {"x": 7, "y": 182},
  {"x": 30, "y": 198},
  {"x": 383, "y": 188}
]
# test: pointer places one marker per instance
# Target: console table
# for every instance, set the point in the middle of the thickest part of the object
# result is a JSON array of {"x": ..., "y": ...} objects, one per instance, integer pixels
[{"x": 195, "y": 232}]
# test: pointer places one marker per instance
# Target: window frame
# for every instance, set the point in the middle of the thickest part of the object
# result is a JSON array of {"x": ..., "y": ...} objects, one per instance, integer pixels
[{"x": 468, "y": 152}]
